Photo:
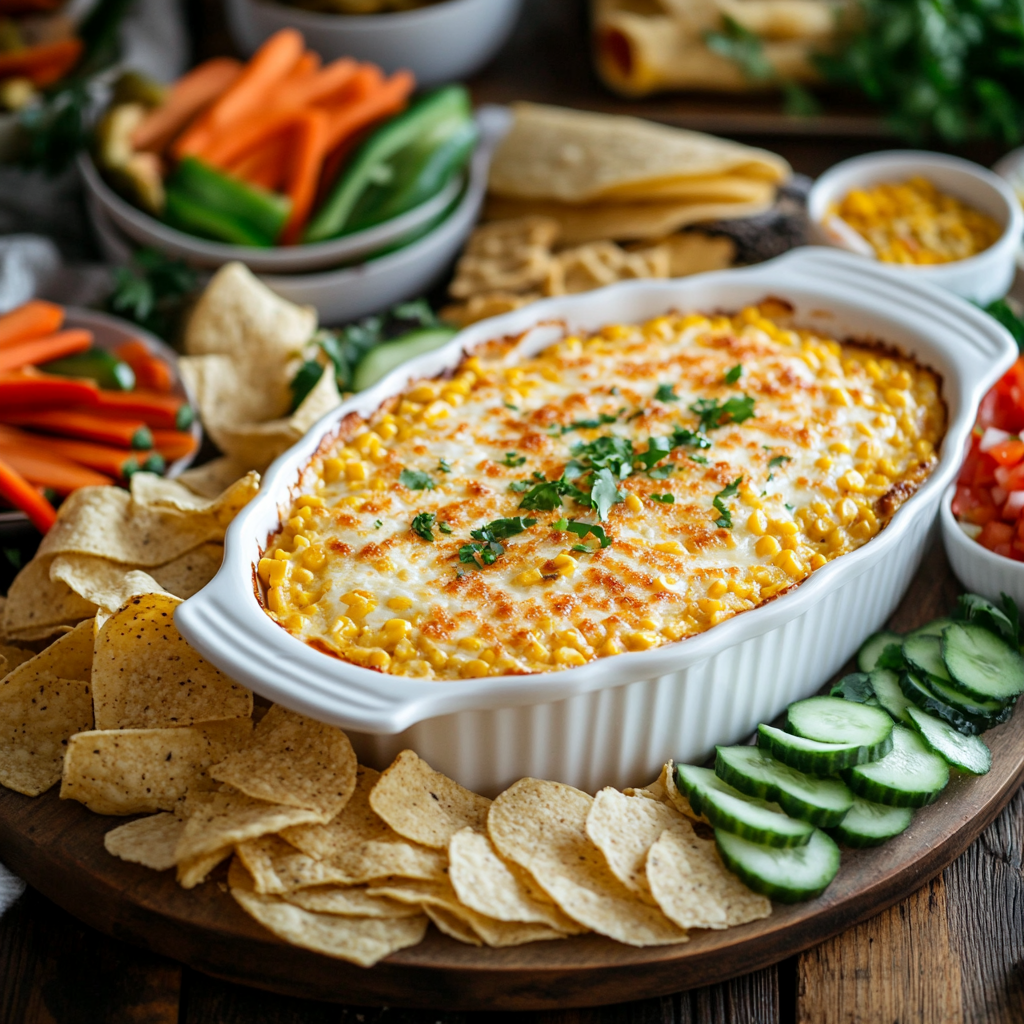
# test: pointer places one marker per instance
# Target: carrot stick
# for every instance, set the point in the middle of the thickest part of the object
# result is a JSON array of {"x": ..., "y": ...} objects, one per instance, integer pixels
[
  {"x": 88, "y": 426},
  {"x": 43, "y": 64},
  {"x": 174, "y": 444},
  {"x": 44, "y": 469},
  {"x": 32, "y": 320},
  {"x": 150, "y": 371},
  {"x": 249, "y": 93},
  {"x": 118, "y": 463},
  {"x": 307, "y": 162},
  {"x": 319, "y": 87},
  {"x": 29, "y": 387},
  {"x": 43, "y": 350},
  {"x": 155, "y": 410},
  {"x": 390, "y": 98},
  {"x": 189, "y": 96},
  {"x": 266, "y": 165},
  {"x": 21, "y": 494}
]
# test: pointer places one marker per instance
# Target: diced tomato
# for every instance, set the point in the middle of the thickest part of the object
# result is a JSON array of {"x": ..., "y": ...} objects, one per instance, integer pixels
[
  {"x": 984, "y": 470},
  {"x": 996, "y": 534},
  {"x": 987, "y": 410},
  {"x": 974, "y": 506},
  {"x": 1012, "y": 479},
  {"x": 1008, "y": 453}
]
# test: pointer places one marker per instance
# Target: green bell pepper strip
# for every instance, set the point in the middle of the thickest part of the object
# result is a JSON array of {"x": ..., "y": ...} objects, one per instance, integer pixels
[
  {"x": 374, "y": 163},
  {"x": 264, "y": 212},
  {"x": 190, "y": 215},
  {"x": 106, "y": 370}
]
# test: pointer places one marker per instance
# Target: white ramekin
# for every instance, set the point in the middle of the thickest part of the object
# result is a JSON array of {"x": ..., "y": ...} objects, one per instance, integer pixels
[
  {"x": 981, "y": 278},
  {"x": 442, "y": 42},
  {"x": 981, "y": 571},
  {"x": 615, "y": 721}
]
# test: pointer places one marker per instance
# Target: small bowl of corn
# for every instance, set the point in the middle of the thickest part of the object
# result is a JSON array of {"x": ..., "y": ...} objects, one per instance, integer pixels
[{"x": 940, "y": 218}]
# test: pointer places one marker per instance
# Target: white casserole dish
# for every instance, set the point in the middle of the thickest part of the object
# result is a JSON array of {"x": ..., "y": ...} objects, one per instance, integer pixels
[{"x": 616, "y": 720}]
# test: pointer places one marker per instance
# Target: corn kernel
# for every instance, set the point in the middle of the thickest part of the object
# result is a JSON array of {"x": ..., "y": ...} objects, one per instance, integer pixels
[
  {"x": 835, "y": 540},
  {"x": 665, "y": 583},
  {"x": 757, "y": 523},
  {"x": 786, "y": 527},
  {"x": 741, "y": 590},
  {"x": 355, "y": 472},
  {"x": 309, "y": 501},
  {"x": 275, "y": 600},
  {"x": 423, "y": 392},
  {"x": 487, "y": 655},
  {"x": 387, "y": 430},
  {"x": 840, "y": 396},
  {"x": 536, "y": 651},
  {"x": 569, "y": 656},
  {"x": 344, "y": 627},
  {"x": 360, "y": 603},
  {"x": 846, "y": 510},
  {"x": 564, "y": 564},
  {"x": 399, "y": 603},
  {"x": 302, "y": 576},
  {"x": 924, "y": 448},
  {"x": 633, "y": 503},
  {"x": 767, "y": 546},
  {"x": 824, "y": 463},
  {"x": 396, "y": 629},
  {"x": 709, "y": 606},
  {"x": 670, "y": 547},
  {"x": 314, "y": 557},
  {"x": 839, "y": 448},
  {"x": 471, "y": 643},
  {"x": 817, "y": 560},
  {"x": 296, "y": 523},
  {"x": 895, "y": 398},
  {"x": 718, "y": 588},
  {"x": 641, "y": 640},
  {"x": 864, "y": 429},
  {"x": 609, "y": 647},
  {"x": 529, "y": 576},
  {"x": 333, "y": 468},
  {"x": 474, "y": 668},
  {"x": 851, "y": 480},
  {"x": 788, "y": 562}
]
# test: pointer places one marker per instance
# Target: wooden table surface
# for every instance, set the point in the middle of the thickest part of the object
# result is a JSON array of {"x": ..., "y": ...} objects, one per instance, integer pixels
[{"x": 951, "y": 952}]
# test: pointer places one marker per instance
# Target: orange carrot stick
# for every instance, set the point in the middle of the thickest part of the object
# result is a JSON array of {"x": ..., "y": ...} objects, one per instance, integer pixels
[
  {"x": 307, "y": 162},
  {"x": 155, "y": 410},
  {"x": 117, "y": 463},
  {"x": 150, "y": 371},
  {"x": 319, "y": 87},
  {"x": 21, "y": 494},
  {"x": 42, "y": 350},
  {"x": 189, "y": 96},
  {"x": 31, "y": 388},
  {"x": 88, "y": 426},
  {"x": 265, "y": 165},
  {"x": 32, "y": 320},
  {"x": 389, "y": 99},
  {"x": 174, "y": 444},
  {"x": 43, "y": 64},
  {"x": 46, "y": 469},
  {"x": 252, "y": 91}
]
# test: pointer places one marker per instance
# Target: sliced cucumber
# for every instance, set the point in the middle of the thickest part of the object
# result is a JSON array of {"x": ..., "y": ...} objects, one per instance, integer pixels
[
  {"x": 869, "y": 824},
  {"x": 910, "y": 775},
  {"x": 727, "y": 808},
  {"x": 812, "y": 756},
  {"x": 924, "y": 653},
  {"x": 833, "y": 720},
  {"x": 933, "y": 628},
  {"x": 790, "y": 875},
  {"x": 383, "y": 358},
  {"x": 871, "y": 650},
  {"x": 982, "y": 665},
  {"x": 821, "y": 802},
  {"x": 923, "y": 696},
  {"x": 986, "y": 713},
  {"x": 886, "y": 685},
  {"x": 966, "y": 752}
]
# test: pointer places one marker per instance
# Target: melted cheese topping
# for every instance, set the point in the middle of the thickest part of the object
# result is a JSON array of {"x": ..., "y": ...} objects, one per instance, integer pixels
[{"x": 775, "y": 451}]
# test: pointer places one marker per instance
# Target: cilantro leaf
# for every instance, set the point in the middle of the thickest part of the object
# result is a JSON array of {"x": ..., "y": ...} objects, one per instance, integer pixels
[
  {"x": 545, "y": 497},
  {"x": 608, "y": 452},
  {"x": 444, "y": 527},
  {"x": 724, "y": 520},
  {"x": 513, "y": 459},
  {"x": 584, "y": 530},
  {"x": 657, "y": 449},
  {"x": 856, "y": 687},
  {"x": 519, "y": 486},
  {"x": 778, "y": 460},
  {"x": 415, "y": 480},
  {"x": 663, "y": 472},
  {"x": 485, "y": 553},
  {"x": 683, "y": 438},
  {"x": 422, "y": 524},
  {"x": 306, "y": 378},
  {"x": 714, "y": 414},
  {"x": 699, "y": 459},
  {"x": 377, "y": 524},
  {"x": 501, "y": 529},
  {"x": 733, "y": 375},
  {"x": 589, "y": 424},
  {"x": 666, "y": 393},
  {"x": 444, "y": 466},
  {"x": 605, "y": 493},
  {"x": 665, "y": 499}
]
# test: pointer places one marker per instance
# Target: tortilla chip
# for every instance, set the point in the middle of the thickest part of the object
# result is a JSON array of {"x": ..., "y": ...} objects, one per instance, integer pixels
[
  {"x": 423, "y": 805},
  {"x": 349, "y": 901},
  {"x": 44, "y": 702},
  {"x": 360, "y": 940},
  {"x": 223, "y": 819},
  {"x": 192, "y": 871},
  {"x": 667, "y": 781},
  {"x": 147, "y": 841},
  {"x": 37, "y": 606},
  {"x": 541, "y": 826},
  {"x": 485, "y": 883},
  {"x": 108, "y": 585},
  {"x": 693, "y": 887},
  {"x": 293, "y": 760},
  {"x": 105, "y": 521},
  {"x": 452, "y": 925},
  {"x": 129, "y": 771},
  {"x": 579, "y": 156},
  {"x": 362, "y": 846},
  {"x": 277, "y": 867},
  {"x": 188, "y": 574},
  {"x": 150, "y": 490},
  {"x": 624, "y": 828},
  {"x": 213, "y": 477},
  {"x": 693, "y": 252},
  {"x": 145, "y": 676}
]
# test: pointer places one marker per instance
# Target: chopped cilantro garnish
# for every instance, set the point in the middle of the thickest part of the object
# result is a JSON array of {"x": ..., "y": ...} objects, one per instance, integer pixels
[
  {"x": 513, "y": 459},
  {"x": 377, "y": 524},
  {"x": 734, "y": 374},
  {"x": 778, "y": 460},
  {"x": 514, "y": 408},
  {"x": 666, "y": 393},
  {"x": 444, "y": 527},
  {"x": 415, "y": 480},
  {"x": 544, "y": 497},
  {"x": 444, "y": 466},
  {"x": 714, "y": 414},
  {"x": 589, "y": 424},
  {"x": 422, "y": 524},
  {"x": 662, "y": 472},
  {"x": 724, "y": 519},
  {"x": 605, "y": 493},
  {"x": 665, "y": 499},
  {"x": 657, "y": 449},
  {"x": 519, "y": 486},
  {"x": 681, "y": 437},
  {"x": 538, "y": 475},
  {"x": 699, "y": 459},
  {"x": 481, "y": 554},
  {"x": 500, "y": 529},
  {"x": 581, "y": 547},
  {"x": 584, "y": 530},
  {"x": 608, "y": 452}
]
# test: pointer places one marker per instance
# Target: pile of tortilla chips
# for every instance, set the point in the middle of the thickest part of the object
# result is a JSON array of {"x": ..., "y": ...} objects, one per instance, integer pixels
[
  {"x": 325, "y": 853},
  {"x": 602, "y": 176}
]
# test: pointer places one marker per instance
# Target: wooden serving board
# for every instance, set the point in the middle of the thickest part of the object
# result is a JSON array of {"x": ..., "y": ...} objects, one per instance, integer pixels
[{"x": 57, "y": 847}]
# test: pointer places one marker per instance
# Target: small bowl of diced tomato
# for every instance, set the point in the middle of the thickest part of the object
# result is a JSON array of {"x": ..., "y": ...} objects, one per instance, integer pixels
[{"x": 983, "y": 513}]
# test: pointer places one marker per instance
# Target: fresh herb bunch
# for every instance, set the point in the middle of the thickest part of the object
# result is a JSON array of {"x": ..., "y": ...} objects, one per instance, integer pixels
[
  {"x": 152, "y": 291},
  {"x": 951, "y": 69}
]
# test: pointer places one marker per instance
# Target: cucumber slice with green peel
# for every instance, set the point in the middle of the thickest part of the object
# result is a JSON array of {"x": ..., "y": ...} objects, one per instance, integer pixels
[
  {"x": 788, "y": 876},
  {"x": 966, "y": 752},
  {"x": 380, "y": 360},
  {"x": 871, "y": 650},
  {"x": 814, "y": 757},
  {"x": 986, "y": 713},
  {"x": 910, "y": 775},
  {"x": 933, "y": 628},
  {"x": 886, "y": 686},
  {"x": 821, "y": 802},
  {"x": 924, "y": 653},
  {"x": 868, "y": 824},
  {"x": 981, "y": 664},
  {"x": 834, "y": 720},
  {"x": 924, "y": 698},
  {"x": 727, "y": 808}
]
